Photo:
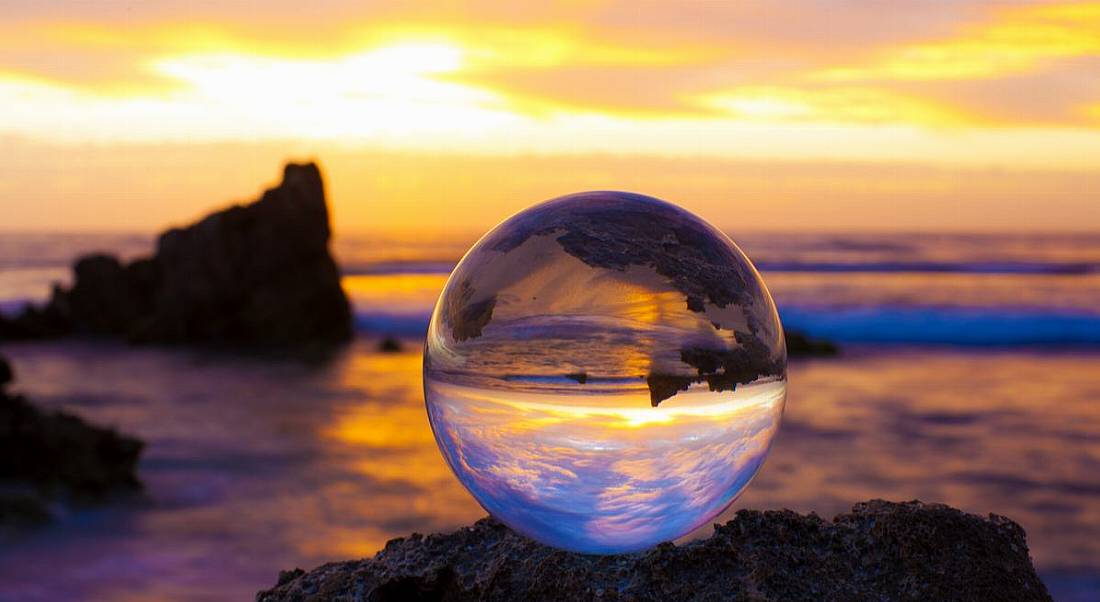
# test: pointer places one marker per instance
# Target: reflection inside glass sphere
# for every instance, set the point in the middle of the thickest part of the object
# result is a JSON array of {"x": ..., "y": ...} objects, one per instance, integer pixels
[{"x": 604, "y": 371}]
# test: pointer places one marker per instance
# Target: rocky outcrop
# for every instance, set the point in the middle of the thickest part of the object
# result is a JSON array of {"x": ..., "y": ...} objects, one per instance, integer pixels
[
  {"x": 35, "y": 322},
  {"x": 879, "y": 551},
  {"x": 46, "y": 456},
  {"x": 6, "y": 373},
  {"x": 251, "y": 275},
  {"x": 390, "y": 345},
  {"x": 802, "y": 345}
]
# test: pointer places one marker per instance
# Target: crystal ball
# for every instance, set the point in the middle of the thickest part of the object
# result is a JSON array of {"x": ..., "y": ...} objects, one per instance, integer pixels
[{"x": 605, "y": 371}]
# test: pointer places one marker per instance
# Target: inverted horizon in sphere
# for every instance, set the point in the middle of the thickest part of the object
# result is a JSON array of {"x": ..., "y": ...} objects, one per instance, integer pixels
[{"x": 604, "y": 371}]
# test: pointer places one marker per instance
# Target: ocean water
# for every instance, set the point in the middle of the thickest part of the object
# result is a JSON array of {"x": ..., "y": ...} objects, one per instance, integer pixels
[{"x": 970, "y": 376}]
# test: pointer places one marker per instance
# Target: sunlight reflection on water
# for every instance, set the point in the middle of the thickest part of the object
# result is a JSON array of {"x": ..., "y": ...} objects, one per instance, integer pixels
[{"x": 256, "y": 466}]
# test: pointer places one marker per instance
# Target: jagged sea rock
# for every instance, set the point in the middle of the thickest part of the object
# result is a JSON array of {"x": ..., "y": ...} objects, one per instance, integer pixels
[
  {"x": 390, "y": 345},
  {"x": 37, "y": 322},
  {"x": 879, "y": 551},
  {"x": 251, "y": 275},
  {"x": 50, "y": 455}
]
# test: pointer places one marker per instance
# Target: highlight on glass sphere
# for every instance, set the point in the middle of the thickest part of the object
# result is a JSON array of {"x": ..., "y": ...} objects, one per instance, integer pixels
[{"x": 604, "y": 372}]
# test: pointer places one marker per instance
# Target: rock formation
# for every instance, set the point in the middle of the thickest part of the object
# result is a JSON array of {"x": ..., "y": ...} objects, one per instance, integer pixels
[
  {"x": 390, "y": 345},
  {"x": 801, "y": 345},
  {"x": 252, "y": 275},
  {"x": 880, "y": 551},
  {"x": 50, "y": 455},
  {"x": 6, "y": 373}
]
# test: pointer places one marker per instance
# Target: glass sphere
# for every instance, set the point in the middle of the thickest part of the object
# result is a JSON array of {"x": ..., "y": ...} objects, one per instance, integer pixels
[{"x": 605, "y": 371}]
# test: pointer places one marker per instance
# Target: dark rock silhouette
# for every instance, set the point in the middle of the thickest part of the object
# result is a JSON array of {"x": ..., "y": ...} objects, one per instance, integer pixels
[
  {"x": 801, "y": 345},
  {"x": 251, "y": 275},
  {"x": 390, "y": 345},
  {"x": 36, "y": 322},
  {"x": 880, "y": 551},
  {"x": 6, "y": 373},
  {"x": 47, "y": 455}
]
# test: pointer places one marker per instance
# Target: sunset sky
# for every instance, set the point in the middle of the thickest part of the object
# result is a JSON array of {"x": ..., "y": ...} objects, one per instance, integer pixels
[{"x": 802, "y": 114}]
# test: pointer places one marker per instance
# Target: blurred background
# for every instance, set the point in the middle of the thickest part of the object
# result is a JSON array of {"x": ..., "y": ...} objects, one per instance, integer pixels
[{"x": 917, "y": 183}]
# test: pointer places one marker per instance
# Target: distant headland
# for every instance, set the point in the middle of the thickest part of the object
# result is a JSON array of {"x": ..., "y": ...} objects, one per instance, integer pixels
[{"x": 256, "y": 275}]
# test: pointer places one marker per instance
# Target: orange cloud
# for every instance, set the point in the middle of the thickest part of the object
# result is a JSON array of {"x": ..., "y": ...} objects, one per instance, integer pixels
[
  {"x": 1017, "y": 40},
  {"x": 850, "y": 104},
  {"x": 596, "y": 84}
]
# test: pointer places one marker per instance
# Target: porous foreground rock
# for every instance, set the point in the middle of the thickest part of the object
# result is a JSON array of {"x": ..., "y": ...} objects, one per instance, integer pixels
[
  {"x": 251, "y": 275},
  {"x": 879, "y": 551},
  {"x": 47, "y": 456}
]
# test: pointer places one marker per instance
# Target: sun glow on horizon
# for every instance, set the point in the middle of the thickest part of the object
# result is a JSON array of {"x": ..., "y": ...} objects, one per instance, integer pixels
[
  {"x": 602, "y": 87},
  {"x": 386, "y": 91},
  {"x": 478, "y": 88},
  {"x": 382, "y": 92}
]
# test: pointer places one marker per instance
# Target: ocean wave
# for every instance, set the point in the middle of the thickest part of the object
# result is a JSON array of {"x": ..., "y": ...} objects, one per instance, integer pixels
[
  {"x": 1065, "y": 268},
  {"x": 970, "y": 326},
  {"x": 392, "y": 268},
  {"x": 444, "y": 266},
  {"x": 965, "y": 267},
  {"x": 375, "y": 320},
  {"x": 11, "y": 307},
  {"x": 975, "y": 326}
]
